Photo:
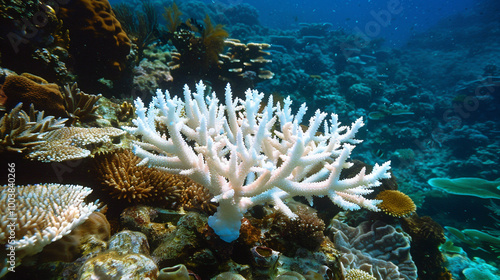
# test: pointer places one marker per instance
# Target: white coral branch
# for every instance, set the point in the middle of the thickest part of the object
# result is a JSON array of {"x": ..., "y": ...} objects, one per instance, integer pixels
[{"x": 246, "y": 155}]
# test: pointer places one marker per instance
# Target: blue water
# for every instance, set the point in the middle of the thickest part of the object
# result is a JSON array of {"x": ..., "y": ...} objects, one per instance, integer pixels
[{"x": 405, "y": 18}]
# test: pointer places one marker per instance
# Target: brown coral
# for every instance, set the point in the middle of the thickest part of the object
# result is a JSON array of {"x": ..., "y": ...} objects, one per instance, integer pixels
[
  {"x": 396, "y": 203},
  {"x": 98, "y": 43},
  {"x": 30, "y": 89},
  {"x": 426, "y": 236},
  {"x": 124, "y": 179},
  {"x": 306, "y": 230},
  {"x": 70, "y": 143},
  {"x": 19, "y": 131},
  {"x": 79, "y": 105}
]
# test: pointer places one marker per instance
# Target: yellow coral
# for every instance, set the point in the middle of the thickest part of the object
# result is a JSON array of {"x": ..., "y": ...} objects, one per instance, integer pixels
[
  {"x": 396, "y": 203},
  {"x": 357, "y": 274}
]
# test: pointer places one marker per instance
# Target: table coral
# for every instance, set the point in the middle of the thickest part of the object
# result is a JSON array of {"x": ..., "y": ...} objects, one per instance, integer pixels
[
  {"x": 70, "y": 143},
  {"x": 68, "y": 248},
  {"x": 44, "y": 214}
]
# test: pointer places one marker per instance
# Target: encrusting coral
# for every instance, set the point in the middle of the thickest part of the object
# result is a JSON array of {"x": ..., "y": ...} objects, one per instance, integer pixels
[
  {"x": 246, "y": 155},
  {"x": 43, "y": 214},
  {"x": 70, "y": 143},
  {"x": 376, "y": 248},
  {"x": 19, "y": 130},
  {"x": 396, "y": 203},
  {"x": 124, "y": 179}
]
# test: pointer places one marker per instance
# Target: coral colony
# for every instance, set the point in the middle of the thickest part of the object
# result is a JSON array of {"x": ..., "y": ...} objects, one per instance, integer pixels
[{"x": 247, "y": 154}]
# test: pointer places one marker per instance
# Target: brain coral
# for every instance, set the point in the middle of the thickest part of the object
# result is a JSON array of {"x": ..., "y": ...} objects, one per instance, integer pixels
[{"x": 98, "y": 42}]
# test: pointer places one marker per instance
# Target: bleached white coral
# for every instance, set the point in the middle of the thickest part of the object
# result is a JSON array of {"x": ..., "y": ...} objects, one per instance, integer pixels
[{"x": 248, "y": 155}]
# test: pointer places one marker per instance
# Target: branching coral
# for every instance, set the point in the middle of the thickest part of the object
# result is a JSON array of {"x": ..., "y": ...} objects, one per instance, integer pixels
[
  {"x": 246, "y": 155},
  {"x": 19, "y": 131}
]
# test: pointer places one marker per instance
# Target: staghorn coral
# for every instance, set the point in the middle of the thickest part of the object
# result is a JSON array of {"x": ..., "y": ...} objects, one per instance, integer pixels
[
  {"x": 396, "y": 203},
  {"x": 19, "y": 131},
  {"x": 30, "y": 89},
  {"x": 41, "y": 214},
  {"x": 247, "y": 156},
  {"x": 376, "y": 248},
  {"x": 70, "y": 143},
  {"x": 79, "y": 105},
  {"x": 124, "y": 179}
]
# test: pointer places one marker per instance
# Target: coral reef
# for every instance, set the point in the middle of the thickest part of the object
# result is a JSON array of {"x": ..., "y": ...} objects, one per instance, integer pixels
[{"x": 260, "y": 167}]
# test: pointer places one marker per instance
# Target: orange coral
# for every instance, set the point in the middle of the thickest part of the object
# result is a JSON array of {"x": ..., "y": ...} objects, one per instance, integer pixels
[
  {"x": 396, "y": 203},
  {"x": 30, "y": 89},
  {"x": 98, "y": 42}
]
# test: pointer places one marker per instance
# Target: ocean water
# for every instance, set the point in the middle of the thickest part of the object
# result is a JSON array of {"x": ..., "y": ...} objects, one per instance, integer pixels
[{"x": 424, "y": 76}]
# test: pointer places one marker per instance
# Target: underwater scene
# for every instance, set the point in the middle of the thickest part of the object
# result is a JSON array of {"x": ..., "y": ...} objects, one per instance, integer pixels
[{"x": 250, "y": 139}]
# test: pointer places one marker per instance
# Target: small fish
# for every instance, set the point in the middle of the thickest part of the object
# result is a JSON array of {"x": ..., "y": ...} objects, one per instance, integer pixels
[{"x": 378, "y": 153}]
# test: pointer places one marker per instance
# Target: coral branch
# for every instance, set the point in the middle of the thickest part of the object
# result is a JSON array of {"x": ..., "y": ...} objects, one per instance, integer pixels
[{"x": 246, "y": 155}]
